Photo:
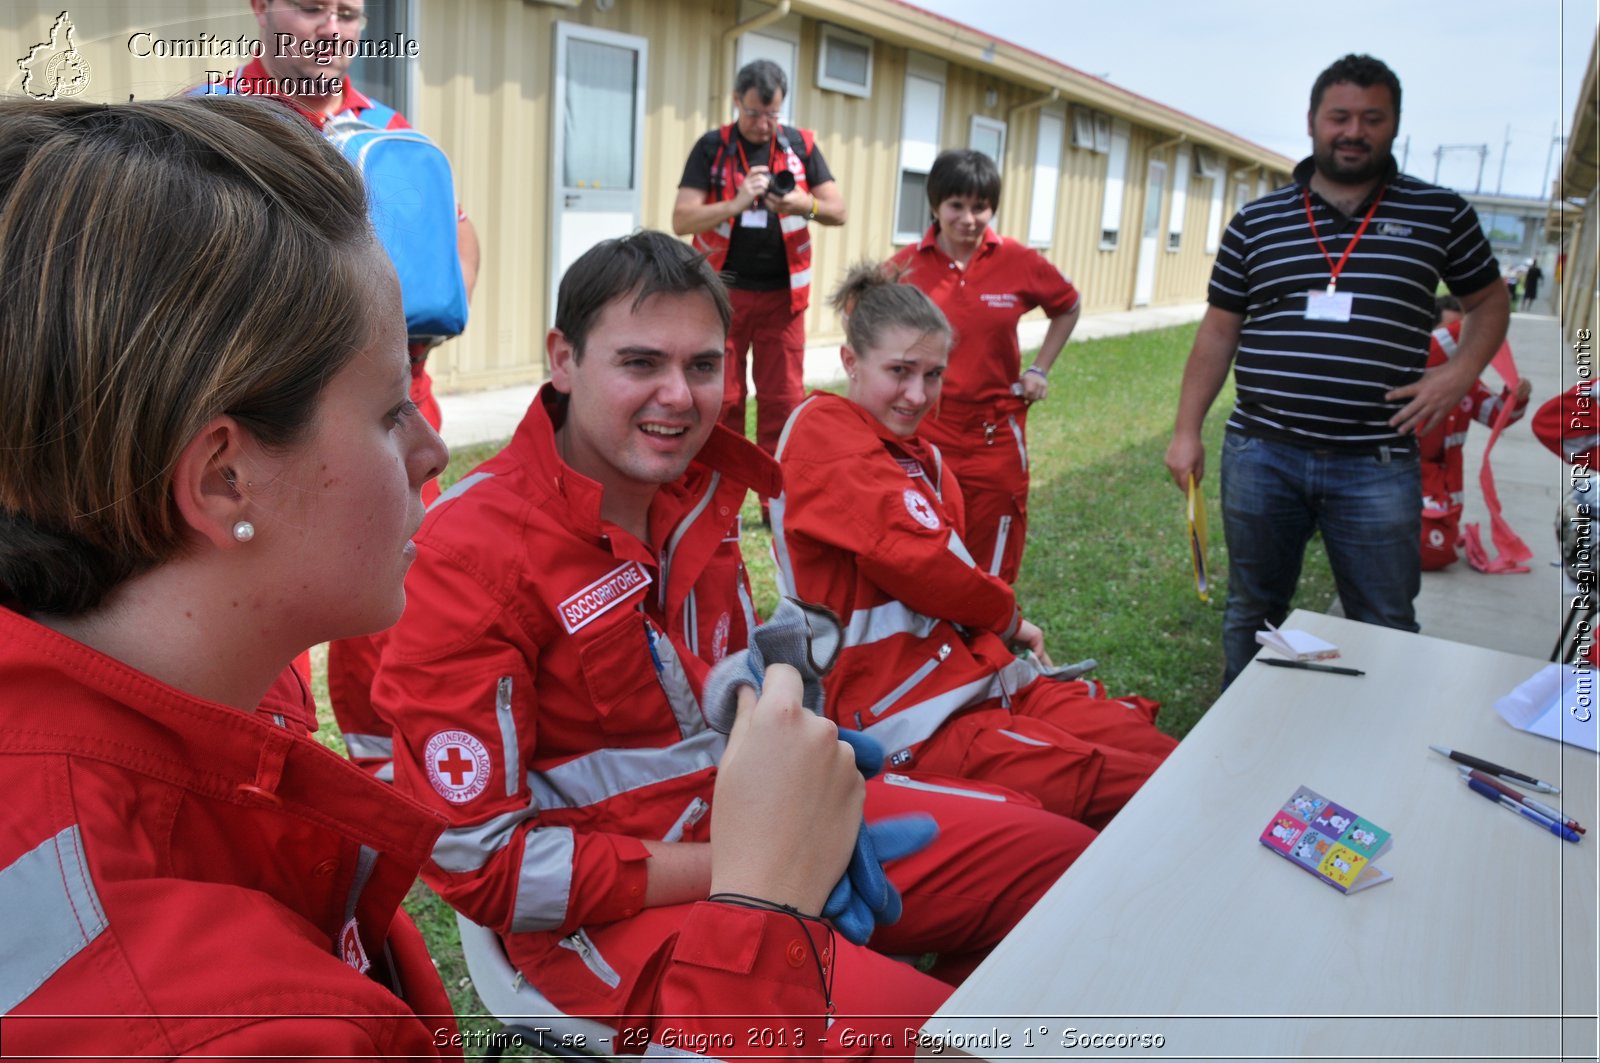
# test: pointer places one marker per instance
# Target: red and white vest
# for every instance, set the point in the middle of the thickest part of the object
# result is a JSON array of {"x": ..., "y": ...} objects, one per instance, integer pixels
[{"x": 725, "y": 180}]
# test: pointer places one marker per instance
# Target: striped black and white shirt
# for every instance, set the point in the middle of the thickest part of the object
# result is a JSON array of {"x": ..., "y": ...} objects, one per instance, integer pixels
[{"x": 1321, "y": 383}]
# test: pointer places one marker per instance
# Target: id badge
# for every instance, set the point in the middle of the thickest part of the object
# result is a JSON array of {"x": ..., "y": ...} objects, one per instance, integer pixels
[
  {"x": 1328, "y": 306},
  {"x": 754, "y": 219}
]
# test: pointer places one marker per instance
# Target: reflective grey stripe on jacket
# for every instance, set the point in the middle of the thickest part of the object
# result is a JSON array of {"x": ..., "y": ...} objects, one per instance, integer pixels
[
  {"x": 675, "y": 684},
  {"x": 51, "y": 913},
  {"x": 607, "y": 773},
  {"x": 544, "y": 880},
  {"x": 916, "y": 723}
]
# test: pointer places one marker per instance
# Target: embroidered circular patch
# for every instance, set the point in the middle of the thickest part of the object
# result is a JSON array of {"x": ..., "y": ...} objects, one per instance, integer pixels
[
  {"x": 458, "y": 765},
  {"x": 920, "y": 509}
]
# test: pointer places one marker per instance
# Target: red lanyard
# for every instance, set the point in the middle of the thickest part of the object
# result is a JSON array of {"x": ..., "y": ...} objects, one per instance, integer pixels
[{"x": 1334, "y": 270}]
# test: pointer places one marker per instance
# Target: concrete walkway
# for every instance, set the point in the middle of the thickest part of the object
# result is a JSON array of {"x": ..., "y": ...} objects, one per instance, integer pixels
[{"x": 1516, "y": 613}]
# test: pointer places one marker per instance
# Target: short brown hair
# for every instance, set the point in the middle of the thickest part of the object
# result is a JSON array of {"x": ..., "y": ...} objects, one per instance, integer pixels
[
  {"x": 641, "y": 264},
  {"x": 161, "y": 263}
]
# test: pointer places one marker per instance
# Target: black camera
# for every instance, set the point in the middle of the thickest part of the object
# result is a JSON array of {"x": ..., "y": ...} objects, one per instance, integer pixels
[{"x": 782, "y": 183}]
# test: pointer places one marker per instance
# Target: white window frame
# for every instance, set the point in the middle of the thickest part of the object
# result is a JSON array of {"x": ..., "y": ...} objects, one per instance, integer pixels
[
  {"x": 1116, "y": 188},
  {"x": 993, "y": 125},
  {"x": 749, "y": 49},
  {"x": 1180, "y": 198},
  {"x": 1083, "y": 127},
  {"x": 916, "y": 153},
  {"x": 827, "y": 33},
  {"x": 1047, "y": 153}
]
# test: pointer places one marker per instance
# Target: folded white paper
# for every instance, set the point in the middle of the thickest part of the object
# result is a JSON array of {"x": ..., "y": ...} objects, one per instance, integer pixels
[
  {"x": 1295, "y": 644},
  {"x": 1557, "y": 701}
]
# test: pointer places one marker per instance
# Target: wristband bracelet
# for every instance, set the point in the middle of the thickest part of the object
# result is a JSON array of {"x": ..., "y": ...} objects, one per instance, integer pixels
[
  {"x": 811, "y": 215},
  {"x": 1041, "y": 372}
]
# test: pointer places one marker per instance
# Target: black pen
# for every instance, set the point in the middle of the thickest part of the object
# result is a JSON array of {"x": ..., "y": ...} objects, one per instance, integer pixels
[
  {"x": 1489, "y": 767},
  {"x": 1279, "y": 662}
]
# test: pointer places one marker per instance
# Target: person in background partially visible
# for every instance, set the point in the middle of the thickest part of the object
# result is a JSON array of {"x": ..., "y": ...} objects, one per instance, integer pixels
[
  {"x": 1530, "y": 285},
  {"x": 1443, "y": 483}
]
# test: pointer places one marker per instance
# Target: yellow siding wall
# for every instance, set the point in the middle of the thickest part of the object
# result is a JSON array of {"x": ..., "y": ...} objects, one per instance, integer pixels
[{"x": 484, "y": 92}]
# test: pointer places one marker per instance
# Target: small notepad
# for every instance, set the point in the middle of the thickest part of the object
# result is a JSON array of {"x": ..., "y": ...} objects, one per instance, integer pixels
[
  {"x": 1295, "y": 644},
  {"x": 1329, "y": 841}
]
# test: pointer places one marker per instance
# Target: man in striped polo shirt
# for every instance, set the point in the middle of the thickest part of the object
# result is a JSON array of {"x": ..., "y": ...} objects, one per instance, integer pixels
[{"x": 1322, "y": 299}]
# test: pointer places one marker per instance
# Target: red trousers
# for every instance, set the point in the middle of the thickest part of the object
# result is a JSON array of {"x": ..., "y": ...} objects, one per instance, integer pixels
[
  {"x": 1081, "y": 754},
  {"x": 995, "y": 855},
  {"x": 775, "y": 337},
  {"x": 989, "y": 457},
  {"x": 353, "y": 662}
]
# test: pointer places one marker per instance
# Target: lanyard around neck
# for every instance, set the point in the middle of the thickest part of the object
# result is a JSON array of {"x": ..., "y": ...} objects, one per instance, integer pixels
[{"x": 1335, "y": 269}]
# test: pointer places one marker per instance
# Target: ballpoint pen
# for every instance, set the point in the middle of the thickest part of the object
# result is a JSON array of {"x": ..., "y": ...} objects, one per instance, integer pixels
[
  {"x": 1519, "y": 797},
  {"x": 1279, "y": 662},
  {"x": 1488, "y": 767},
  {"x": 1559, "y": 830}
]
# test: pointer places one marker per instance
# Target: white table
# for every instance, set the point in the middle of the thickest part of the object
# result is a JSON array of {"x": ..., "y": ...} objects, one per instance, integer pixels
[{"x": 1177, "y": 923}]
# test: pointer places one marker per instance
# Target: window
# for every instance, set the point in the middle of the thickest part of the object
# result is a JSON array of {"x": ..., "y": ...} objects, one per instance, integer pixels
[
  {"x": 387, "y": 80},
  {"x": 1046, "y": 178},
  {"x": 1102, "y": 132},
  {"x": 1083, "y": 128},
  {"x": 988, "y": 135},
  {"x": 780, "y": 50},
  {"x": 920, "y": 119},
  {"x": 844, "y": 61},
  {"x": 1209, "y": 165},
  {"x": 1180, "y": 198},
  {"x": 1116, "y": 181}
]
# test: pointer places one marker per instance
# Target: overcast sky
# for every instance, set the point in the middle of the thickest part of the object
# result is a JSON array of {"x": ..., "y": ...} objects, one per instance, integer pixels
[{"x": 1468, "y": 68}]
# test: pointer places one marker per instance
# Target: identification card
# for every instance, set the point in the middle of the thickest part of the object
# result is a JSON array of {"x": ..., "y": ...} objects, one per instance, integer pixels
[
  {"x": 1328, "y": 306},
  {"x": 754, "y": 219}
]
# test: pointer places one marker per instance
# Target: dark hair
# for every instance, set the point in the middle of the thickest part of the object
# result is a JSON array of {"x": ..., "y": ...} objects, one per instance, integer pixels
[
  {"x": 1443, "y": 303},
  {"x": 643, "y": 264},
  {"x": 1362, "y": 70},
  {"x": 161, "y": 263},
  {"x": 872, "y": 298},
  {"x": 963, "y": 172},
  {"x": 763, "y": 75}
]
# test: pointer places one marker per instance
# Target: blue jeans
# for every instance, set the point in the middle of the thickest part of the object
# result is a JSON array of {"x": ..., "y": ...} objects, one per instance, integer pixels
[{"x": 1368, "y": 506}]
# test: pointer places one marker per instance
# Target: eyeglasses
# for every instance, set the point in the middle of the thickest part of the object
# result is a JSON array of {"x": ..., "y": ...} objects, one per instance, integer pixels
[
  {"x": 771, "y": 116},
  {"x": 317, "y": 13}
]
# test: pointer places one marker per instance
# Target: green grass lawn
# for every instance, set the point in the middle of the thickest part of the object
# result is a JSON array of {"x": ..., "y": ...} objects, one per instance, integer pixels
[{"x": 1106, "y": 574}]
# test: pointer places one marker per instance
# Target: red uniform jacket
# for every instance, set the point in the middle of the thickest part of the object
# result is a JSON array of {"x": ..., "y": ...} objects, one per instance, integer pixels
[
  {"x": 180, "y": 877},
  {"x": 870, "y": 526},
  {"x": 542, "y": 690}
]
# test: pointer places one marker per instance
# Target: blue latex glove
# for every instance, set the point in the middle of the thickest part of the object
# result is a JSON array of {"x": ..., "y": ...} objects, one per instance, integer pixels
[
  {"x": 809, "y": 638},
  {"x": 865, "y": 899}
]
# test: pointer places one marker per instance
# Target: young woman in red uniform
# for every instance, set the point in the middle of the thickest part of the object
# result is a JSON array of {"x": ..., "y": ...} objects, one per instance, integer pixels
[
  {"x": 872, "y": 524},
  {"x": 984, "y": 283},
  {"x": 208, "y": 461}
]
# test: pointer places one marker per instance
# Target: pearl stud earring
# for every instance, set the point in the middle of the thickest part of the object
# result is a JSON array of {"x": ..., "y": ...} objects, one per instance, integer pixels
[{"x": 244, "y": 531}]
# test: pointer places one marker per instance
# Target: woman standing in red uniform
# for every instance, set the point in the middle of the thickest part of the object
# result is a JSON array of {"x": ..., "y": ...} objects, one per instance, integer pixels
[
  {"x": 984, "y": 283},
  {"x": 872, "y": 524}
]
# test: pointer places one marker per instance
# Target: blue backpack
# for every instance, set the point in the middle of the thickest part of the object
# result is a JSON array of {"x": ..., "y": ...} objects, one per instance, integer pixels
[{"x": 411, "y": 198}]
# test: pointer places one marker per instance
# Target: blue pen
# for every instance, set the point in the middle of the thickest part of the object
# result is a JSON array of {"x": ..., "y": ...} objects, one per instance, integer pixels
[
  {"x": 1560, "y": 830},
  {"x": 650, "y": 641}
]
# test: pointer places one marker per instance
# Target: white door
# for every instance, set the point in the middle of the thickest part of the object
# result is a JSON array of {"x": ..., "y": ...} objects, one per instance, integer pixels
[
  {"x": 598, "y": 125},
  {"x": 1144, "y": 280}
]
